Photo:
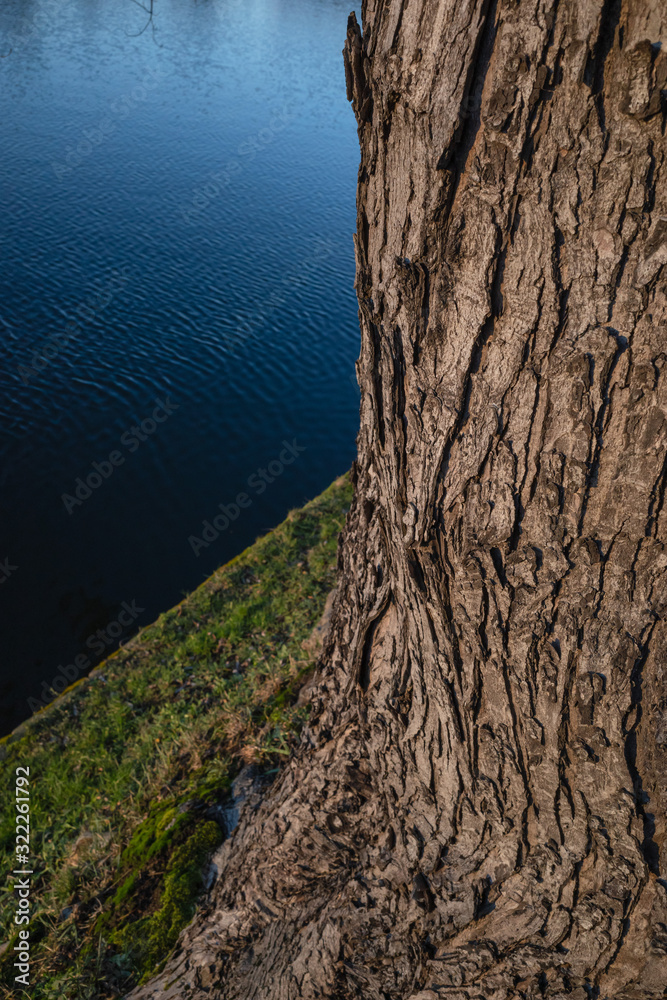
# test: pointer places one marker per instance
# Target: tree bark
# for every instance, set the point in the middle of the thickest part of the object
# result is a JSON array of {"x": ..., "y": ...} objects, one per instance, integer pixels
[{"x": 479, "y": 804}]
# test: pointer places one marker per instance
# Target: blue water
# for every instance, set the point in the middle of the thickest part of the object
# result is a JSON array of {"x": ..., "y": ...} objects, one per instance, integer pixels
[{"x": 177, "y": 210}]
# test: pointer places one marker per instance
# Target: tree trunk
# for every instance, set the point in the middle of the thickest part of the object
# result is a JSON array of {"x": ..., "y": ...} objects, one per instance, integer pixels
[{"x": 479, "y": 805}]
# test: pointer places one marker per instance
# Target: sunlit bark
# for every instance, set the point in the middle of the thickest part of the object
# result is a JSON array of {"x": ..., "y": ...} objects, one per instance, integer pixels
[{"x": 478, "y": 808}]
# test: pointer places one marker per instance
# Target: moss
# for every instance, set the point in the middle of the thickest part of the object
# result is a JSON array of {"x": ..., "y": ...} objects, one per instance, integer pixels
[
  {"x": 140, "y": 750},
  {"x": 152, "y": 836},
  {"x": 124, "y": 890},
  {"x": 152, "y": 938}
]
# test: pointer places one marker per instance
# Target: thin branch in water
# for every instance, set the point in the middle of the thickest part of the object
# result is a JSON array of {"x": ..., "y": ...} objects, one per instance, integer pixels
[{"x": 149, "y": 11}]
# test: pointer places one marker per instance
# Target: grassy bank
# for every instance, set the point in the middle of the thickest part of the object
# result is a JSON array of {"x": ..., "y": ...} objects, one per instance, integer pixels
[{"x": 127, "y": 768}]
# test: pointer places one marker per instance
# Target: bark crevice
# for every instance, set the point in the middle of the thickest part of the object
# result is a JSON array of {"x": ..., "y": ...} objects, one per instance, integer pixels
[{"x": 479, "y": 804}]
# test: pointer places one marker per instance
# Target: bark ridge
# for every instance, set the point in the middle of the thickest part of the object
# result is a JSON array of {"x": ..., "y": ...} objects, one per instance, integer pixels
[{"x": 479, "y": 805}]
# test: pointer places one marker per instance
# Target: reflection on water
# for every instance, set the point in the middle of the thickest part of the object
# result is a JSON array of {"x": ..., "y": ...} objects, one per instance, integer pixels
[{"x": 177, "y": 219}]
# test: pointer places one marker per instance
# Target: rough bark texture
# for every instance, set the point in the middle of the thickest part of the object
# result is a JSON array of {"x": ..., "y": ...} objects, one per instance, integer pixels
[{"x": 479, "y": 805}]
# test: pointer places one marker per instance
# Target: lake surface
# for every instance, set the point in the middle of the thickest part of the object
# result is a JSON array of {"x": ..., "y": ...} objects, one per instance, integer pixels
[{"x": 176, "y": 305}]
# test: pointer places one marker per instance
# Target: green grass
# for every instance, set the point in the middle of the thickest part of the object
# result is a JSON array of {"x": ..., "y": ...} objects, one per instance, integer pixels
[{"x": 126, "y": 765}]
